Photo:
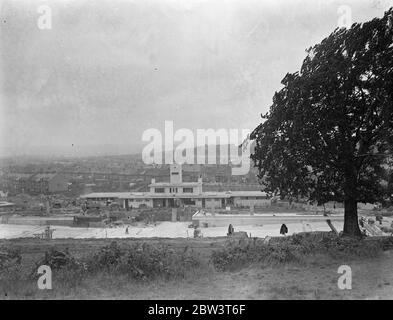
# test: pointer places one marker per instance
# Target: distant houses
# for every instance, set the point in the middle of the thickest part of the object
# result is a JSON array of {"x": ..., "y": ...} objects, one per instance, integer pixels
[{"x": 38, "y": 183}]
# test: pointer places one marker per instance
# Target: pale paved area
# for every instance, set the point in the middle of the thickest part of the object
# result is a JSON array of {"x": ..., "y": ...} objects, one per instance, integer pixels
[{"x": 163, "y": 229}]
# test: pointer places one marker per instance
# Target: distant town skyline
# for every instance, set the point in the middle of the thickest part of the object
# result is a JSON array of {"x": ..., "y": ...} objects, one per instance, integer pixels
[{"x": 107, "y": 71}]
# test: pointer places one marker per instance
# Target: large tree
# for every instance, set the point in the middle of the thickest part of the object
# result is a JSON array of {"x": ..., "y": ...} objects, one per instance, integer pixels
[{"x": 329, "y": 133}]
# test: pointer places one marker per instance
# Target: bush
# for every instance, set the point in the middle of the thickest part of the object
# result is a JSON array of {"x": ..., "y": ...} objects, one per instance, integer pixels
[
  {"x": 11, "y": 272},
  {"x": 342, "y": 247},
  {"x": 295, "y": 248},
  {"x": 9, "y": 258},
  {"x": 143, "y": 261},
  {"x": 106, "y": 257},
  {"x": 235, "y": 255},
  {"x": 57, "y": 260},
  {"x": 146, "y": 261},
  {"x": 68, "y": 271}
]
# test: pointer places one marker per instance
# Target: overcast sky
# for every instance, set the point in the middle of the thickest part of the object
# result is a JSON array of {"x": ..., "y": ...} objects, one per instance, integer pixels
[{"x": 108, "y": 70}]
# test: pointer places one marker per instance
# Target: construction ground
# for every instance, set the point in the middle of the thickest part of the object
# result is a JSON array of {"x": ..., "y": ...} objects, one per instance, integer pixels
[
  {"x": 30, "y": 228},
  {"x": 160, "y": 229}
]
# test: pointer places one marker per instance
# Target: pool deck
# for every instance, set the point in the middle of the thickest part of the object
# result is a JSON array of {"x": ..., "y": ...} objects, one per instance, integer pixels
[{"x": 224, "y": 219}]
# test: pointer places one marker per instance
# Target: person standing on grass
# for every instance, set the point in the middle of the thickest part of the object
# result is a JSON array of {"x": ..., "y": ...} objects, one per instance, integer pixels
[
  {"x": 283, "y": 229},
  {"x": 231, "y": 230}
]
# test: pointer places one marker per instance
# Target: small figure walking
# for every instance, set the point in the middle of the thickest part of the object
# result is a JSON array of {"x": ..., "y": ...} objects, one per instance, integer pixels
[
  {"x": 197, "y": 232},
  {"x": 283, "y": 229},
  {"x": 127, "y": 230},
  {"x": 231, "y": 230}
]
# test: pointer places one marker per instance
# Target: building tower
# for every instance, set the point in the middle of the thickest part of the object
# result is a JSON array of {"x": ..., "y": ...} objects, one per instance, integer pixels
[{"x": 176, "y": 173}]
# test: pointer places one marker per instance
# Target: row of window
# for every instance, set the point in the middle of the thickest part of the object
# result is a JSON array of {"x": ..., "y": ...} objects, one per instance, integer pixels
[
  {"x": 253, "y": 198},
  {"x": 207, "y": 199},
  {"x": 173, "y": 190}
]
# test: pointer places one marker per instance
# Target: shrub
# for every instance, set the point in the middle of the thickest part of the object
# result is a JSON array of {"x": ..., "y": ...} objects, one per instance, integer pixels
[
  {"x": 11, "y": 271},
  {"x": 106, "y": 257},
  {"x": 295, "y": 248},
  {"x": 143, "y": 261},
  {"x": 67, "y": 271},
  {"x": 57, "y": 260},
  {"x": 234, "y": 255},
  {"x": 9, "y": 258}
]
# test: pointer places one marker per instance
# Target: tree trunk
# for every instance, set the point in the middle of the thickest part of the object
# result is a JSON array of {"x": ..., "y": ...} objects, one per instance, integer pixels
[{"x": 351, "y": 223}]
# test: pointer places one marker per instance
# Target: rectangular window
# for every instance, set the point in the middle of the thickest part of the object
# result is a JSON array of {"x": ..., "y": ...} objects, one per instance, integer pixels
[
  {"x": 188, "y": 190},
  {"x": 189, "y": 202},
  {"x": 159, "y": 190}
]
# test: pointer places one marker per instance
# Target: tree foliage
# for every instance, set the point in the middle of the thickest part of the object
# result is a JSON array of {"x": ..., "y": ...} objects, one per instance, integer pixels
[{"x": 329, "y": 132}]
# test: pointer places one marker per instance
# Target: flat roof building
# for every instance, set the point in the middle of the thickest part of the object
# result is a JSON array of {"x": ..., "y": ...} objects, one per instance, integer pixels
[{"x": 178, "y": 193}]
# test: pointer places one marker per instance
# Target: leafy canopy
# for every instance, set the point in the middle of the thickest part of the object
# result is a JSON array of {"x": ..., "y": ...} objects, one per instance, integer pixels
[{"x": 329, "y": 132}]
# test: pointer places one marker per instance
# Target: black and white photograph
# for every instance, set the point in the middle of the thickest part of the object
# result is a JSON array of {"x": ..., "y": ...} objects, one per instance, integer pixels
[{"x": 184, "y": 151}]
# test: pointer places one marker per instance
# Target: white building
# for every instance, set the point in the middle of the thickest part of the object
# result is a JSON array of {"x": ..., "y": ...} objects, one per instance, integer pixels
[{"x": 178, "y": 193}]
